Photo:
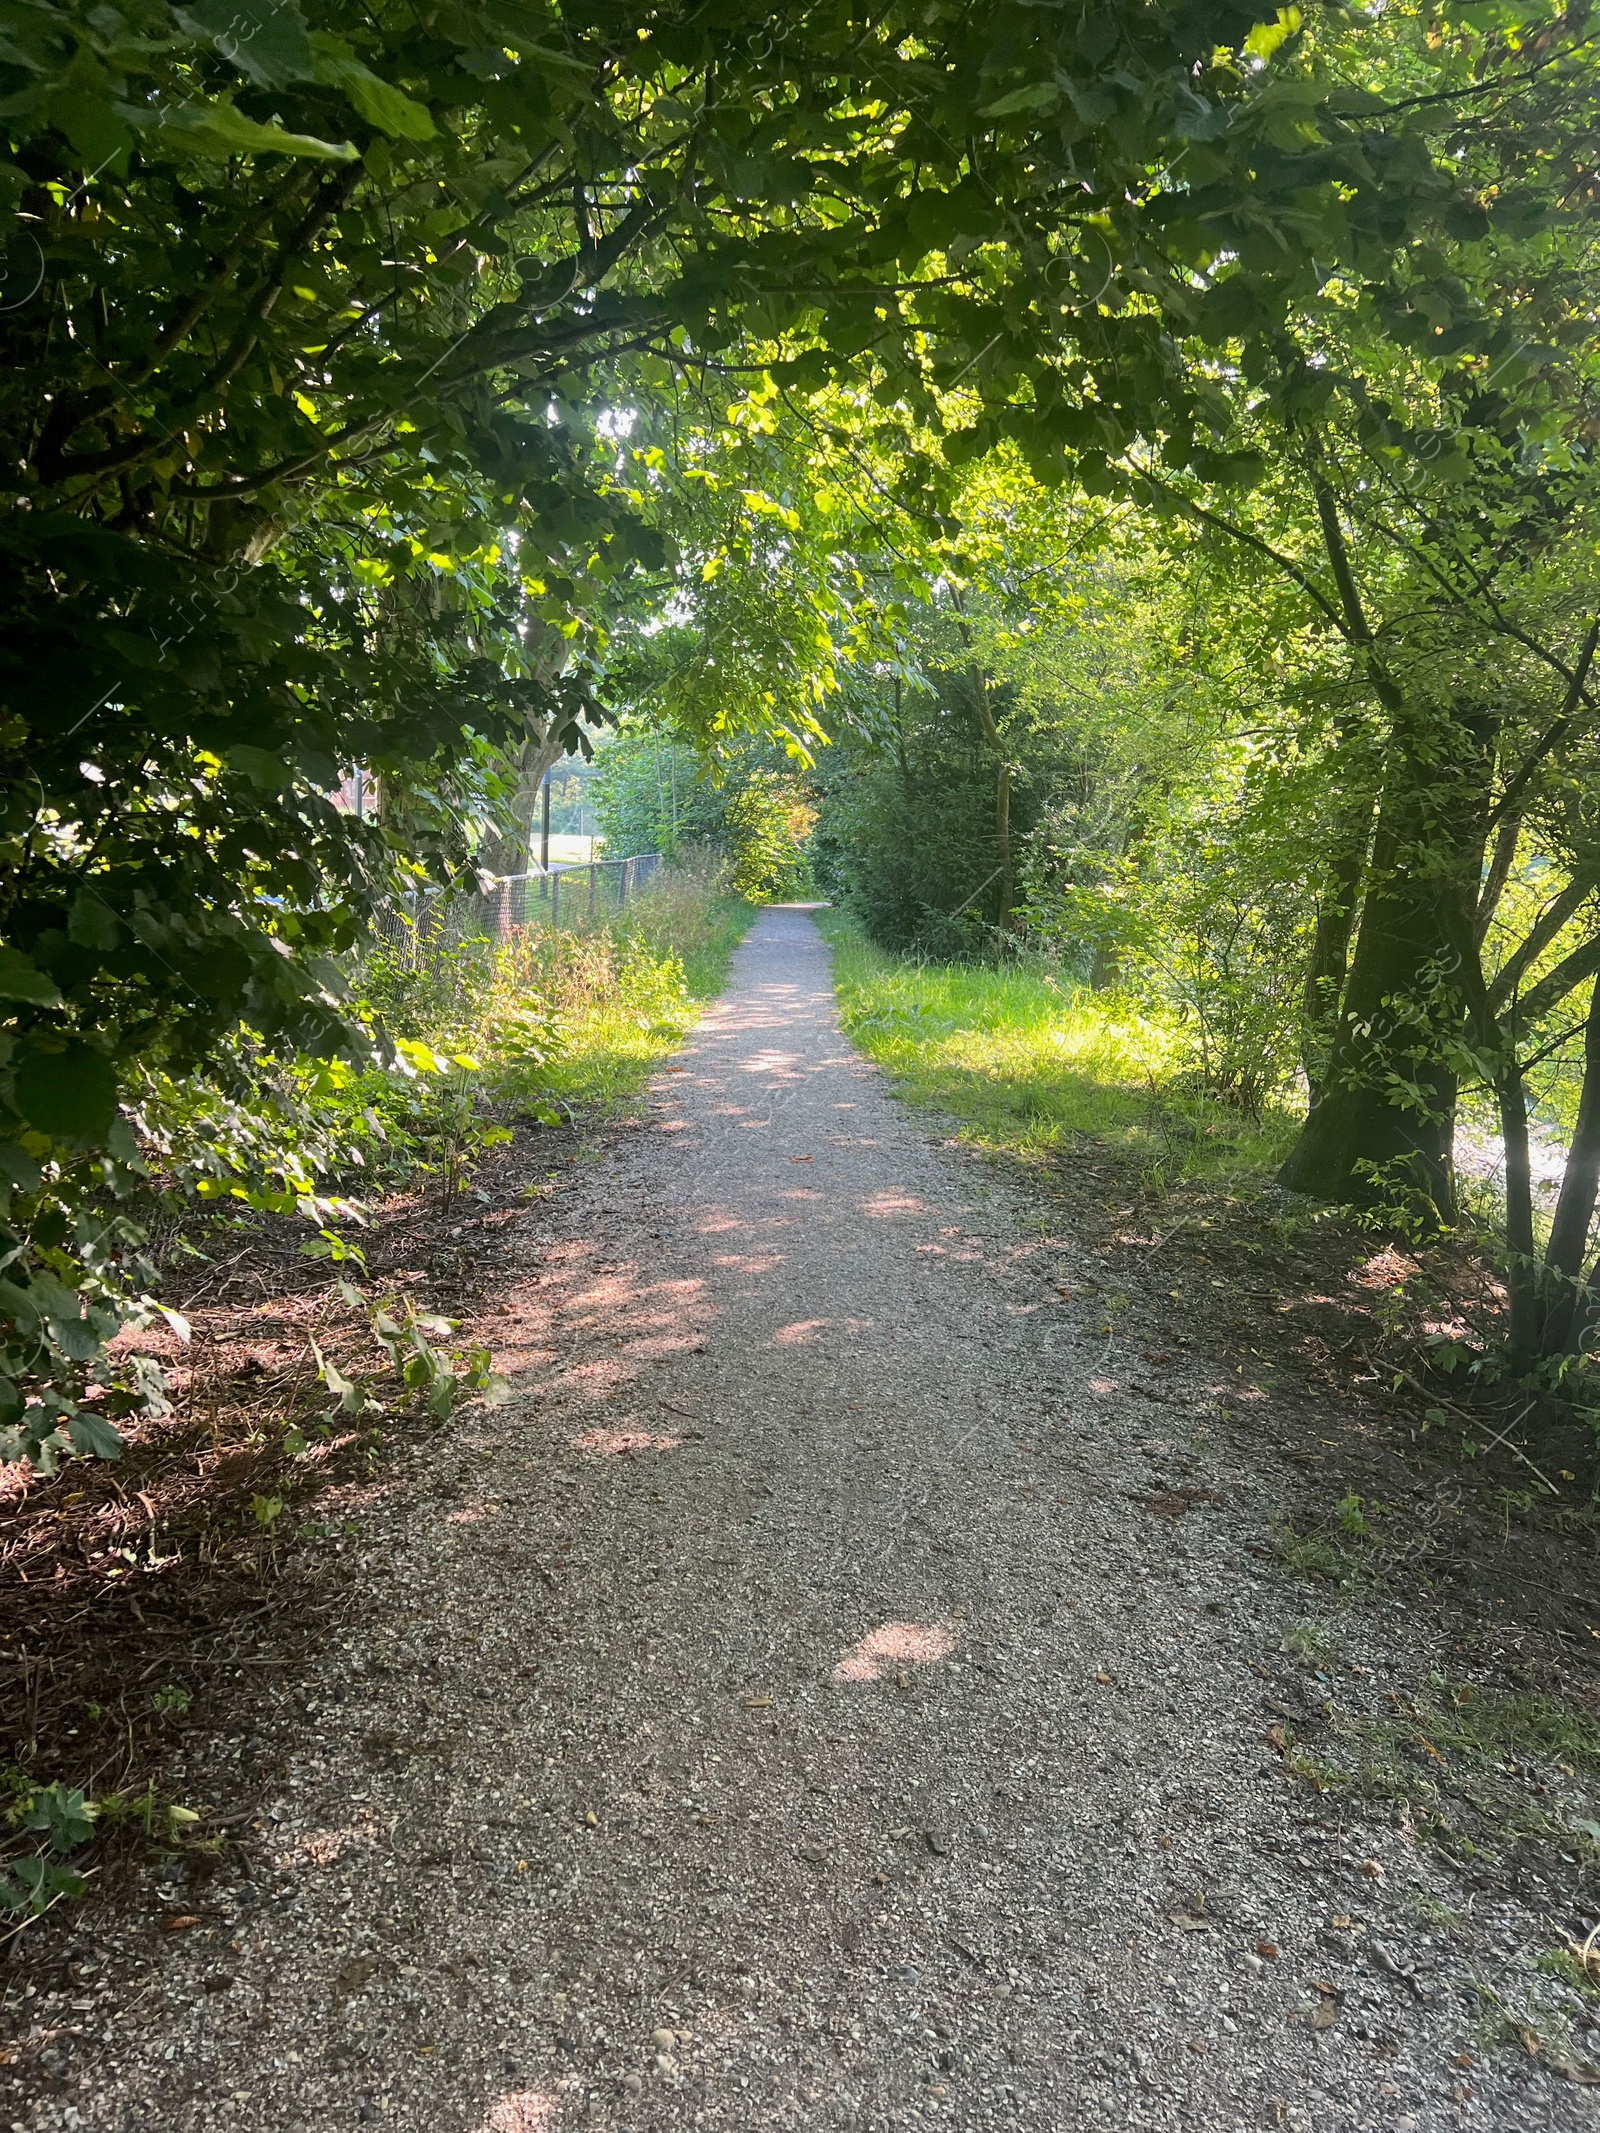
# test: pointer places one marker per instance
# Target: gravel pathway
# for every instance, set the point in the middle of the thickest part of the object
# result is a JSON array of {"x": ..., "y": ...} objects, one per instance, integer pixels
[{"x": 788, "y": 1710}]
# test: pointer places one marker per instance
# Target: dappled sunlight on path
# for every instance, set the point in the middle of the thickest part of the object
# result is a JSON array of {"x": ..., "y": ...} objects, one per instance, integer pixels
[
  {"x": 795, "y": 1706},
  {"x": 895, "y": 1644}
]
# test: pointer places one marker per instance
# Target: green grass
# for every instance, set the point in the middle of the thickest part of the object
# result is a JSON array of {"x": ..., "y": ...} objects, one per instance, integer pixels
[
  {"x": 1477, "y": 1771},
  {"x": 626, "y": 992},
  {"x": 572, "y": 1017},
  {"x": 1032, "y": 1066}
]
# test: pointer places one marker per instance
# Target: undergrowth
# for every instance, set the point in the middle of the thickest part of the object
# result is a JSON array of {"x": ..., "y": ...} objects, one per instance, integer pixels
[
  {"x": 1031, "y": 1064},
  {"x": 551, "y": 1021},
  {"x": 1473, "y": 1770}
]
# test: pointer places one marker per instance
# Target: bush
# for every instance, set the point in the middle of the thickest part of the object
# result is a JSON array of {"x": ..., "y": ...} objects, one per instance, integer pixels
[{"x": 653, "y": 794}]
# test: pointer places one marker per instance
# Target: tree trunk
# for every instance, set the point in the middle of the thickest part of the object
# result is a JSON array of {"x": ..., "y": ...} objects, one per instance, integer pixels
[
  {"x": 1330, "y": 946},
  {"x": 1384, "y": 1124},
  {"x": 1002, "y": 838},
  {"x": 1569, "y": 1231},
  {"x": 538, "y": 755},
  {"x": 1522, "y": 1273},
  {"x": 1006, "y": 870}
]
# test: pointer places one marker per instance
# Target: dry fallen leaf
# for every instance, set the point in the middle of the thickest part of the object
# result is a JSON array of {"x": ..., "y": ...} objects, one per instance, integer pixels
[
  {"x": 758, "y": 1703},
  {"x": 178, "y": 1925}
]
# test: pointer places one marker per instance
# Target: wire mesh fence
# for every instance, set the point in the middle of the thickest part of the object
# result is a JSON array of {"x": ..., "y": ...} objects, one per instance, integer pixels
[{"x": 431, "y": 921}]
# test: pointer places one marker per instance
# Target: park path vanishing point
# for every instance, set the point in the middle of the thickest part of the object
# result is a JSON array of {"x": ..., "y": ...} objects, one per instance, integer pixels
[{"x": 784, "y": 1710}]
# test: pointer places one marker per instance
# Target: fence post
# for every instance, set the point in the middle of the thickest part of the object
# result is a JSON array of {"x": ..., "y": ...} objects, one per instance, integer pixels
[
  {"x": 593, "y": 871},
  {"x": 555, "y": 898}
]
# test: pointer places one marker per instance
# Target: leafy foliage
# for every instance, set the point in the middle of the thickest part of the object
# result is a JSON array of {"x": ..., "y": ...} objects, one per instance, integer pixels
[{"x": 654, "y": 793}]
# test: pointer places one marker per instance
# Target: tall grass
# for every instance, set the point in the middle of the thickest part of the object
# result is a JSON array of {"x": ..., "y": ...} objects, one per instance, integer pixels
[
  {"x": 581, "y": 1011},
  {"x": 625, "y": 991},
  {"x": 1033, "y": 1065}
]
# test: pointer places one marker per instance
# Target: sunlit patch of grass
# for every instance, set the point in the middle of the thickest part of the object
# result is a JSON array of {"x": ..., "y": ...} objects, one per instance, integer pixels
[
  {"x": 624, "y": 992},
  {"x": 1033, "y": 1066}
]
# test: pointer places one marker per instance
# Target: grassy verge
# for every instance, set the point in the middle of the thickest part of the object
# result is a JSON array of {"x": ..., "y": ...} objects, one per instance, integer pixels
[
  {"x": 1032, "y": 1067},
  {"x": 574, "y": 1015},
  {"x": 630, "y": 989}
]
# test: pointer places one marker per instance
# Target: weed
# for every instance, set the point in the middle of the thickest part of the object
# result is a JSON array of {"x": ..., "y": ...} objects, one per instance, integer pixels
[
  {"x": 1352, "y": 1517},
  {"x": 1318, "y": 1773},
  {"x": 1434, "y": 1913},
  {"x": 1313, "y": 1555},
  {"x": 1477, "y": 1773},
  {"x": 44, "y": 1824},
  {"x": 1542, "y": 2030},
  {"x": 1311, "y": 1644},
  {"x": 1578, "y": 1963}
]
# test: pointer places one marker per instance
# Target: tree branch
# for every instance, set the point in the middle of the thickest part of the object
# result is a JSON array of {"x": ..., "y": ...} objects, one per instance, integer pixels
[
  {"x": 1552, "y": 734},
  {"x": 1543, "y": 931},
  {"x": 1567, "y": 976}
]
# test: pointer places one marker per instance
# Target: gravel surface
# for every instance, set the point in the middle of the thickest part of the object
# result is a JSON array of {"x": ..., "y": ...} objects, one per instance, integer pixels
[{"x": 832, "y": 1691}]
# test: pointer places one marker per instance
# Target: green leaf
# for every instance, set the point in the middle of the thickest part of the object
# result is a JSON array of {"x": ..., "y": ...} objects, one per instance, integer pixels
[
  {"x": 1266, "y": 37},
  {"x": 265, "y": 39},
  {"x": 217, "y": 129},
  {"x": 52, "y": 1297},
  {"x": 32, "y": 1885},
  {"x": 91, "y": 123},
  {"x": 92, "y": 923},
  {"x": 18, "y": 1305},
  {"x": 1036, "y": 96},
  {"x": 71, "y": 1095},
  {"x": 378, "y": 101},
  {"x": 94, "y": 1437},
  {"x": 63, "y": 1814},
  {"x": 76, "y": 1339},
  {"x": 345, "y": 1390},
  {"x": 20, "y": 1168},
  {"x": 21, "y": 979}
]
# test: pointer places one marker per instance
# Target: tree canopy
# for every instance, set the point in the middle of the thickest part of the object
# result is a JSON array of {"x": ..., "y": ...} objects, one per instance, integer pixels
[{"x": 414, "y": 389}]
